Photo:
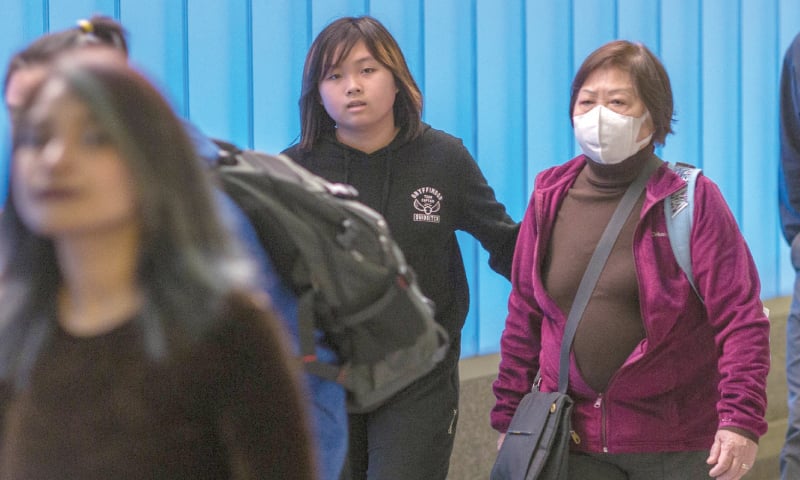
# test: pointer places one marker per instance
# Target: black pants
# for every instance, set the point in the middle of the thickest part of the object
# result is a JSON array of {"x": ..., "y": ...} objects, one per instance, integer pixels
[
  {"x": 639, "y": 466},
  {"x": 410, "y": 437}
]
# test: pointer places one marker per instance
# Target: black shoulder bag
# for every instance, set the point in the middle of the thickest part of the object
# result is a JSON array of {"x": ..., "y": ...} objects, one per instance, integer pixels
[{"x": 536, "y": 446}]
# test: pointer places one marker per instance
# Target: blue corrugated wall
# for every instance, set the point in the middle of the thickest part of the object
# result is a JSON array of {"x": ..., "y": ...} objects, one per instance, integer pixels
[{"x": 494, "y": 72}]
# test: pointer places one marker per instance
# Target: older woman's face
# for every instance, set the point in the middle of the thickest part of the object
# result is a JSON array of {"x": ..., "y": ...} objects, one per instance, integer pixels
[
  {"x": 612, "y": 88},
  {"x": 68, "y": 177}
]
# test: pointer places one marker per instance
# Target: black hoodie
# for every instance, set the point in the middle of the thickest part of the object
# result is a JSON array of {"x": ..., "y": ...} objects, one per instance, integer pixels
[{"x": 426, "y": 189}]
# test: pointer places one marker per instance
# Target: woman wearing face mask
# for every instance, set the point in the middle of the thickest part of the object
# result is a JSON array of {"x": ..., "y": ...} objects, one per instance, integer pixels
[{"x": 666, "y": 385}]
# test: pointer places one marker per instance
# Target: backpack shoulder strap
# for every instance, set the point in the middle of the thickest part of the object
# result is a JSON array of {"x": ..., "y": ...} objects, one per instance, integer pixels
[{"x": 679, "y": 211}]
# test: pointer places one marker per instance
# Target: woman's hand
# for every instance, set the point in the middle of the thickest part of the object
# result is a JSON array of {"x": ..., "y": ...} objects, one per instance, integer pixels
[
  {"x": 500, "y": 441},
  {"x": 732, "y": 455}
]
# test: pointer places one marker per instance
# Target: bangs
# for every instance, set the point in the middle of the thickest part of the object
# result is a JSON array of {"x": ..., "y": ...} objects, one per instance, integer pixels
[{"x": 337, "y": 49}]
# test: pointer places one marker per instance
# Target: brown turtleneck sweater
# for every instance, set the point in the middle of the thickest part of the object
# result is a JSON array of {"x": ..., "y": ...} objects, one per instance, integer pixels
[{"x": 611, "y": 326}]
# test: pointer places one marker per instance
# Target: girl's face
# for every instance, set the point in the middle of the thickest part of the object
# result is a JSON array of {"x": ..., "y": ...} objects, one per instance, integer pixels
[
  {"x": 68, "y": 177},
  {"x": 612, "y": 88},
  {"x": 359, "y": 93}
]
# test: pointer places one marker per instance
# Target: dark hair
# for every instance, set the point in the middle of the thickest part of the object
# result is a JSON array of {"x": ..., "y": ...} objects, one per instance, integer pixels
[
  {"x": 97, "y": 30},
  {"x": 186, "y": 263},
  {"x": 649, "y": 78},
  {"x": 330, "y": 47}
]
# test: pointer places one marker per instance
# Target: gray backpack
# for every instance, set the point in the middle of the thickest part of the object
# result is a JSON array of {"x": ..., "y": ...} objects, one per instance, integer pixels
[{"x": 350, "y": 277}]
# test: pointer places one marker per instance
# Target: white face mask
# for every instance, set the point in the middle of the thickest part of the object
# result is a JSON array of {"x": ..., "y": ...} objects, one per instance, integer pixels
[{"x": 609, "y": 137}]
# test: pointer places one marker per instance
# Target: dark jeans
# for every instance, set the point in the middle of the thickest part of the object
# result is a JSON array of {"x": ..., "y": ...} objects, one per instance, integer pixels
[
  {"x": 790, "y": 455},
  {"x": 639, "y": 466},
  {"x": 411, "y": 437}
]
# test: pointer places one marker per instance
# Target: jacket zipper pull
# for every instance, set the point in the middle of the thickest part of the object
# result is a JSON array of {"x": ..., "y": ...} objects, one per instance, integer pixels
[{"x": 598, "y": 403}]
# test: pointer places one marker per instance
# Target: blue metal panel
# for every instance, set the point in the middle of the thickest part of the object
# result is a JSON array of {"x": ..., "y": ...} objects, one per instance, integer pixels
[
  {"x": 680, "y": 54},
  {"x": 788, "y": 20},
  {"x": 501, "y": 143},
  {"x": 35, "y": 20},
  {"x": 219, "y": 68},
  {"x": 640, "y": 21},
  {"x": 13, "y": 36},
  {"x": 501, "y": 98},
  {"x": 759, "y": 134},
  {"x": 27, "y": 20},
  {"x": 404, "y": 21},
  {"x": 450, "y": 106},
  {"x": 324, "y": 12},
  {"x": 548, "y": 73},
  {"x": 449, "y": 68},
  {"x": 721, "y": 82},
  {"x": 280, "y": 42},
  {"x": 65, "y": 13},
  {"x": 157, "y": 42},
  {"x": 594, "y": 23}
]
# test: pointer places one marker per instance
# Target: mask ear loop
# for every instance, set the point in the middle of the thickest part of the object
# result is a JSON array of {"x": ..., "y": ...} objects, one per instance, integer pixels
[{"x": 643, "y": 119}]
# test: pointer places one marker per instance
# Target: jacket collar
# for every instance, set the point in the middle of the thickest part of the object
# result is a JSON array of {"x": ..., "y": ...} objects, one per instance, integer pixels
[{"x": 663, "y": 183}]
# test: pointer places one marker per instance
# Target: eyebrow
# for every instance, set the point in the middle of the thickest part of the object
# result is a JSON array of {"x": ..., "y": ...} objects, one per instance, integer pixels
[
  {"x": 365, "y": 58},
  {"x": 610, "y": 92},
  {"x": 362, "y": 60}
]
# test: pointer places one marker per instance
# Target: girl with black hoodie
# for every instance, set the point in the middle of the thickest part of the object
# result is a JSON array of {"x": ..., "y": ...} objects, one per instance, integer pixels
[{"x": 361, "y": 124}]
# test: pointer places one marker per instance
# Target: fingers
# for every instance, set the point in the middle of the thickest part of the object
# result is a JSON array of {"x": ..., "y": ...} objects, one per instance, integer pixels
[
  {"x": 724, "y": 465},
  {"x": 732, "y": 455},
  {"x": 713, "y": 457},
  {"x": 734, "y": 472}
]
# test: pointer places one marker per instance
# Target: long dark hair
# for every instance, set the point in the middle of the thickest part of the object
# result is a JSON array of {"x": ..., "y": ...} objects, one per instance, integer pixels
[
  {"x": 331, "y": 46},
  {"x": 187, "y": 263}
]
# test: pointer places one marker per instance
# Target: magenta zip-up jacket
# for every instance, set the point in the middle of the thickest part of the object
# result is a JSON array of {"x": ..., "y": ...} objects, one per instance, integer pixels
[{"x": 702, "y": 366}]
